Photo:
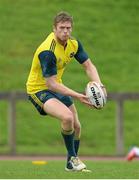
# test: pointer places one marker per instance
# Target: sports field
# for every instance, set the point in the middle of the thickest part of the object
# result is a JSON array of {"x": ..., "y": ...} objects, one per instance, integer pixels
[
  {"x": 109, "y": 32},
  {"x": 117, "y": 169},
  {"x": 108, "y": 29}
]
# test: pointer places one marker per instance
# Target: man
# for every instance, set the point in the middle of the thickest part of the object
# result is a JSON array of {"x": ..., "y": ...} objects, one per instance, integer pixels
[
  {"x": 45, "y": 88},
  {"x": 133, "y": 153}
]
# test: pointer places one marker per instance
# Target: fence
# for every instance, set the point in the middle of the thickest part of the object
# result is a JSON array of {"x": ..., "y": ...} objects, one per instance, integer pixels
[{"x": 119, "y": 98}]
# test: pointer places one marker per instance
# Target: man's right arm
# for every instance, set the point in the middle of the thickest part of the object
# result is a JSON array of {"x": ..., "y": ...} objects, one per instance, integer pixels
[
  {"x": 61, "y": 88},
  {"x": 49, "y": 70}
]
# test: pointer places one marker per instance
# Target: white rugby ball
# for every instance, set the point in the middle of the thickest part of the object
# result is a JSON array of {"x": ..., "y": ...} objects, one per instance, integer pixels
[{"x": 96, "y": 94}]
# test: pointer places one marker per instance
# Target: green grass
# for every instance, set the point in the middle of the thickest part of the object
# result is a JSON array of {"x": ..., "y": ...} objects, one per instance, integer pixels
[
  {"x": 109, "y": 32},
  {"x": 55, "y": 170},
  {"x": 110, "y": 40}
]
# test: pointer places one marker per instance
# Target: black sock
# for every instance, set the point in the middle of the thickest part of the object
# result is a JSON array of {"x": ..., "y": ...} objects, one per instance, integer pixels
[
  {"x": 76, "y": 145},
  {"x": 68, "y": 137}
]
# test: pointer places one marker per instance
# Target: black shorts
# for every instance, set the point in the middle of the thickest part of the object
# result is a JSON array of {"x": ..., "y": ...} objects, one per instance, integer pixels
[{"x": 39, "y": 98}]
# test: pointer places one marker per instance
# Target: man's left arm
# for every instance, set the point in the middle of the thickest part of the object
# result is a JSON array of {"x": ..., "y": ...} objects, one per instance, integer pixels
[{"x": 92, "y": 73}]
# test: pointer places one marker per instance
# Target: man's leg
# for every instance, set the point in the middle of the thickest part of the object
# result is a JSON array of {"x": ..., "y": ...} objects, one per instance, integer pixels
[{"x": 55, "y": 108}]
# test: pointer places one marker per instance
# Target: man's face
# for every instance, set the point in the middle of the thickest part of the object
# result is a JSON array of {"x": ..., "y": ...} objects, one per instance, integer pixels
[{"x": 63, "y": 30}]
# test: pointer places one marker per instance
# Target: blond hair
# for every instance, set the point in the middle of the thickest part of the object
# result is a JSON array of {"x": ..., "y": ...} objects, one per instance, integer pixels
[{"x": 62, "y": 17}]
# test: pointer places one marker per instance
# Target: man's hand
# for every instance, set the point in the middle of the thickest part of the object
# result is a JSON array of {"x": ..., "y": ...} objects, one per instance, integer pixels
[{"x": 83, "y": 99}]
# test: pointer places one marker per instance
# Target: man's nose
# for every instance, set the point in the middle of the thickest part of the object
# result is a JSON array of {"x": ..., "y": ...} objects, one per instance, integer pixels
[{"x": 65, "y": 30}]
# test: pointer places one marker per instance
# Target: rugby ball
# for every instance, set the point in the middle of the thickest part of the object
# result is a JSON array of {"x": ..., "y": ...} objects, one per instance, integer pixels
[{"x": 96, "y": 95}]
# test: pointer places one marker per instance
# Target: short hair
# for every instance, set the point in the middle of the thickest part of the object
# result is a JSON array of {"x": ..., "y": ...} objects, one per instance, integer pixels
[{"x": 62, "y": 17}]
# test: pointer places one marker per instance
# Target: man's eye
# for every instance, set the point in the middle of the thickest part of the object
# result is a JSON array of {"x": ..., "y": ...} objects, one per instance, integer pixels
[{"x": 68, "y": 28}]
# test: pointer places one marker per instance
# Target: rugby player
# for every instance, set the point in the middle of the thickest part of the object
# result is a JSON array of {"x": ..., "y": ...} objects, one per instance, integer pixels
[{"x": 46, "y": 90}]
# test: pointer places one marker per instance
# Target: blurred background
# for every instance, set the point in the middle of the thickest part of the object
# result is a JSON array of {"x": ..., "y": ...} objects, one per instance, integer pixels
[{"x": 109, "y": 32}]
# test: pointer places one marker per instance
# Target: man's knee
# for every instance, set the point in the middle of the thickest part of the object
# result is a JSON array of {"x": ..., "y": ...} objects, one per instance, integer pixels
[
  {"x": 68, "y": 118},
  {"x": 77, "y": 127}
]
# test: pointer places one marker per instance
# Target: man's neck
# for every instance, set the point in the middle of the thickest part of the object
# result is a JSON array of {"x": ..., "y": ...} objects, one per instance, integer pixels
[{"x": 63, "y": 43}]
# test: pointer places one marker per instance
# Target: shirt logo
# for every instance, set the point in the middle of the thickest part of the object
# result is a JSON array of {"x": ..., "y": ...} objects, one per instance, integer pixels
[
  {"x": 71, "y": 54},
  {"x": 42, "y": 96}
]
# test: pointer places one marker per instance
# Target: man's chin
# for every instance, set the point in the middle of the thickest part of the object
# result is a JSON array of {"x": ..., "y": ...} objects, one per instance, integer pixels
[{"x": 65, "y": 38}]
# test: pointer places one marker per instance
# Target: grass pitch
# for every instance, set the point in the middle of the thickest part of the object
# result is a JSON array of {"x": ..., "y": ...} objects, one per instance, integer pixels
[
  {"x": 108, "y": 31},
  {"x": 55, "y": 170}
]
